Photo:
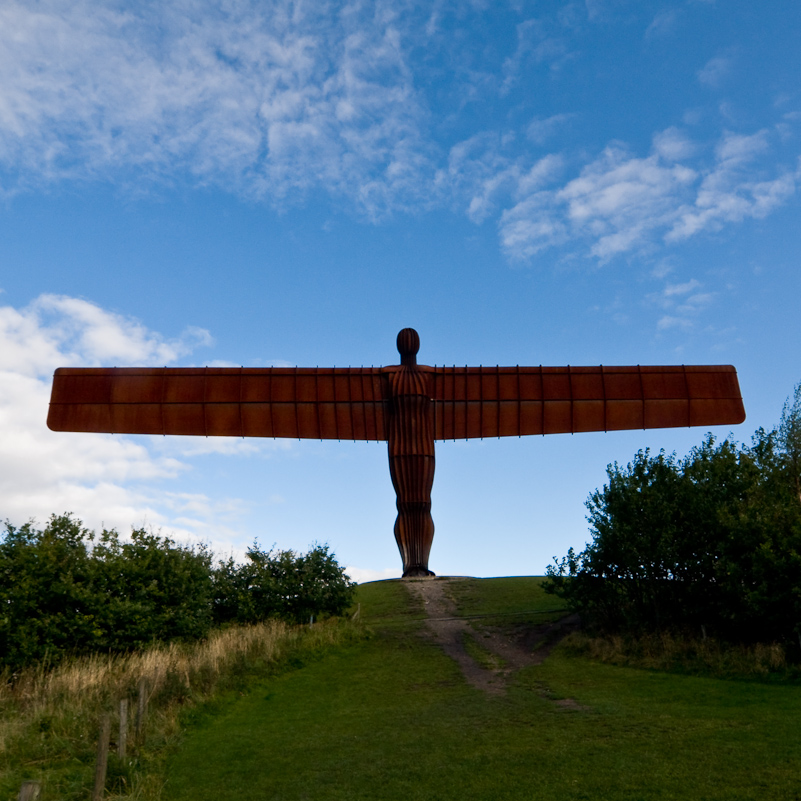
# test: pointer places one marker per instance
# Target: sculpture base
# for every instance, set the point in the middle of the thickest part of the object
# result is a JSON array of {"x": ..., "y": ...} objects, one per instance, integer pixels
[{"x": 418, "y": 572}]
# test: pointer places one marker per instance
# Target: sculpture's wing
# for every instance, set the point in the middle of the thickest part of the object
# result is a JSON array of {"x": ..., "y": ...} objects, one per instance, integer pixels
[
  {"x": 308, "y": 403},
  {"x": 512, "y": 401}
]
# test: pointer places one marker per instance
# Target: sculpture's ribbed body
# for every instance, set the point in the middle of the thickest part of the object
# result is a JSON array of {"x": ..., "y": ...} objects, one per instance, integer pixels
[{"x": 411, "y": 466}]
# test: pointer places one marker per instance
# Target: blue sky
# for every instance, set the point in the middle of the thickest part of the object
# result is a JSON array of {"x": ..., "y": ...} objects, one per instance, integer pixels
[{"x": 277, "y": 183}]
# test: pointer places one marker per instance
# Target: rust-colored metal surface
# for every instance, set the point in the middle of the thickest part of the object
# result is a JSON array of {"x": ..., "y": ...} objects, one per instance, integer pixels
[{"x": 409, "y": 406}]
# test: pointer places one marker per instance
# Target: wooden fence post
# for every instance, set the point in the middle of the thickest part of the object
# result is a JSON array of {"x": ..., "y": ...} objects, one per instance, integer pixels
[
  {"x": 123, "y": 728},
  {"x": 29, "y": 791},
  {"x": 102, "y": 758},
  {"x": 141, "y": 706}
]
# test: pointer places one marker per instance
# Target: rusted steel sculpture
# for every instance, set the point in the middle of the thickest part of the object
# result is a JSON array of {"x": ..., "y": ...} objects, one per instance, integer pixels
[{"x": 407, "y": 405}]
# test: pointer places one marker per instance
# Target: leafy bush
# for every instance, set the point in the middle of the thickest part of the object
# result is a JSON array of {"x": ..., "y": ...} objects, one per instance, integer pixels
[
  {"x": 152, "y": 589},
  {"x": 64, "y": 591},
  {"x": 45, "y": 589},
  {"x": 61, "y": 596},
  {"x": 293, "y": 587},
  {"x": 708, "y": 543}
]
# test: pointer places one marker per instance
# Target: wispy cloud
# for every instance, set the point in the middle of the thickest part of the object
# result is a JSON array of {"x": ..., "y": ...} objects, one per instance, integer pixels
[
  {"x": 272, "y": 99},
  {"x": 621, "y": 202},
  {"x": 729, "y": 192},
  {"x": 662, "y": 24},
  {"x": 670, "y": 321},
  {"x": 682, "y": 304},
  {"x": 540, "y": 41},
  {"x": 540, "y": 130},
  {"x": 619, "y": 199},
  {"x": 284, "y": 101},
  {"x": 673, "y": 290},
  {"x": 479, "y": 170},
  {"x": 714, "y": 71}
]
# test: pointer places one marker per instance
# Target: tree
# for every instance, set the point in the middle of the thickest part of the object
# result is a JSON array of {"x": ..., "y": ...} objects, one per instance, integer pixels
[
  {"x": 789, "y": 438},
  {"x": 713, "y": 540},
  {"x": 282, "y": 584},
  {"x": 45, "y": 589},
  {"x": 153, "y": 589}
]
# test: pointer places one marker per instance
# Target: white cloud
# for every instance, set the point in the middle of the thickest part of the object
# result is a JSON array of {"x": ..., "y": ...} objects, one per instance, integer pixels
[
  {"x": 57, "y": 328},
  {"x": 531, "y": 226},
  {"x": 106, "y": 480},
  {"x": 667, "y": 322},
  {"x": 673, "y": 145},
  {"x": 714, "y": 71},
  {"x": 594, "y": 8},
  {"x": 621, "y": 202},
  {"x": 479, "y": 170},
  {"x": 682, "y": 303},
  {"x": 729, "y": 192},
  {"x": 736, "y": 149},
  {"x": 540, "y": 130},
  {"x": 363, "y": 574},
  {"x": 541, "y": 41},
  {"x": 540, "y": 174},
  {"x": 662, "y": 24},
  {"x": 271, "y": 99},
  {"x": 617, "y": 201},
  {"x": 671, "y": 290},
  {"x": 281, "y": 100}
]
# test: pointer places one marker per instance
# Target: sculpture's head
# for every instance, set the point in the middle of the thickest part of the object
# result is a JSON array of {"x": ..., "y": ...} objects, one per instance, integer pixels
[{"x": 408, "y": 345}]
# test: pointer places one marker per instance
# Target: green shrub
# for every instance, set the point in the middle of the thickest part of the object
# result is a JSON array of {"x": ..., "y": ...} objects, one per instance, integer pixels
[
  {"x": 708, "y": 543},
  {"x": 46, "y": 591},
  {"x": 152, "y": 589},
  {"x": 65, "y": 591},
  {"x": 283, "y": 584},
  {"x": 61, "y": 596}
]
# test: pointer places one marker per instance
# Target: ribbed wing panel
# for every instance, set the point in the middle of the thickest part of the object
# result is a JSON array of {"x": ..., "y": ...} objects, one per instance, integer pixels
[
  {"x": 305, "y": 403},
  {"x": 352, "y": 403},
  {"x": 473, "y": 402}
]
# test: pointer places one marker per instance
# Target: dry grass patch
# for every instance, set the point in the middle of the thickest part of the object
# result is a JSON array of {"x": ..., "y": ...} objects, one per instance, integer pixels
[{"x": 702, "y": 656}]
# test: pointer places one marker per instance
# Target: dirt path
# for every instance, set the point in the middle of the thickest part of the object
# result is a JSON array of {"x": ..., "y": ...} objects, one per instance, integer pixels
[{"x": 451, "y": 632}]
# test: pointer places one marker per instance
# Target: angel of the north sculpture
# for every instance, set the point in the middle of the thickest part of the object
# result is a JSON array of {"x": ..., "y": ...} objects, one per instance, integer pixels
[{"x": 409, "y": 406}]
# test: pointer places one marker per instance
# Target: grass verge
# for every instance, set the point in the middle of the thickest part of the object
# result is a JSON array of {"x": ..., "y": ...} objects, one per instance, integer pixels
[
  {"x": 697, "y": 657},
  {"x": 49, "y": 716}
]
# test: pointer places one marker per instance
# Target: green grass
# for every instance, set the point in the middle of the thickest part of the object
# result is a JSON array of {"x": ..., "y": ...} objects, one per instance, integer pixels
[
  {"x": 511, "y": 604},
  {"x": 487, "y": 659},
  {"x": 387, "y": 604},
  {"x": 514, "y": 596},
  {"x": 390, "y": 717}
]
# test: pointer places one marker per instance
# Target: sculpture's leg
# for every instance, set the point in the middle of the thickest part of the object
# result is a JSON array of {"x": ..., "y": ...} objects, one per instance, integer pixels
[
  {"x": 411, "y": 465},
  {"x": 413, "y": 477}
]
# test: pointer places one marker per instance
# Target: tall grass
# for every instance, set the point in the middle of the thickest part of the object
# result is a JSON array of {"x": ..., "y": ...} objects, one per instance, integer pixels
[
  {"x": 697, "y": 656},
  {"x": 49, "y": 715}
]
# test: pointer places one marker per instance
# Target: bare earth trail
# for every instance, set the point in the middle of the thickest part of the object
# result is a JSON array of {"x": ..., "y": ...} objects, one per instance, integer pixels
[{"x": 451, "y": 632}]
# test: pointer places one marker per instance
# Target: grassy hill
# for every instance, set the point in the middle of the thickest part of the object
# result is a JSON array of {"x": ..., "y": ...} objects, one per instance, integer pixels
[{"x": 397, "y": 715}]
